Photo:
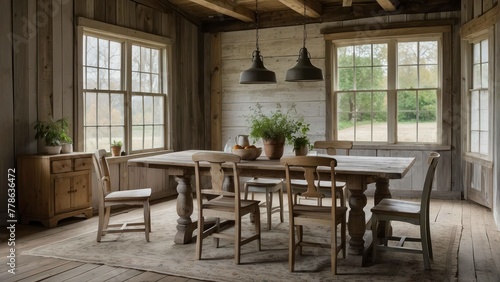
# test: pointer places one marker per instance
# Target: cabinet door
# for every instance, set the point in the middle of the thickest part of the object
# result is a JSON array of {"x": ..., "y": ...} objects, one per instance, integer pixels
[
  {"x": 80, "y": 194},
  {"x": 62, "y": 194}
]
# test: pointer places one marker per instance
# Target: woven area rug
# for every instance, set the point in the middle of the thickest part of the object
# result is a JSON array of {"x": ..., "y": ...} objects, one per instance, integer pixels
[{"x": 270, "y": 264}]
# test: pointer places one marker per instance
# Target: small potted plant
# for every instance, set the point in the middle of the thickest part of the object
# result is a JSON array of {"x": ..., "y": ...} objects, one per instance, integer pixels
[
  {"x": 274, "y": 128},
  {"x": 116, "y": 148},
  {"x": 300, "y": 140},
  {"x": 66, "y": 143},
  {"x": 52, "y": 133}
]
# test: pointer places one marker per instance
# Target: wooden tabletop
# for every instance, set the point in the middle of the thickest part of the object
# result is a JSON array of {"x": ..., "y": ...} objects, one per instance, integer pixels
[{"x": 379, "y": 167}]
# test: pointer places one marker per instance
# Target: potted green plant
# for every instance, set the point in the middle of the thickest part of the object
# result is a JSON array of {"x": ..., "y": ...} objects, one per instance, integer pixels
[
  {"x": 116, "y": 148},
  {"x": 275, "y": 128},
  {"x": 52, "y": 133},
  {"x": 66, "y": 143},
  {"x": 300, "y": 140}
]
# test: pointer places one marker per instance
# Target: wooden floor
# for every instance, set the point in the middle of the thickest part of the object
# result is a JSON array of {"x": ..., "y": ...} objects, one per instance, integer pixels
[{"x": 478, "y": 259}]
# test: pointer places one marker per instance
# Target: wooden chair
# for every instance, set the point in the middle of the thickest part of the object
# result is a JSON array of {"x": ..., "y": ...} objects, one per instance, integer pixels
[
  {"x": 108, "y": 198},
  {"x": 416, "y": 213},
  {"x": 269, "y": 187},
  {"x": 223, "y": 204},
  {"x": 331, "y": 148},
  {"x": 307, "y": 215}
]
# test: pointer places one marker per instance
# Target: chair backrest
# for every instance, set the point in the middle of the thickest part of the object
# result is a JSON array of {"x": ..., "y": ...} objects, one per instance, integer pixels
[
  {"x": 102, "y": 171},
  {"x": 429, "y": 179},
  {"x": 332, "y": 146},
  {"x": 309, "y": 166},
  {"x": 217, "y": 174}
]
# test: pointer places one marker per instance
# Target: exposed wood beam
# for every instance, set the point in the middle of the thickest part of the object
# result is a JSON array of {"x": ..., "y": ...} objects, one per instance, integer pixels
[
  {"x": 330, "y": 14},
  {"x": 166, "y": 7},
  {"x": 346, "y": 3},
  {"x": 388, "y": 5},
  {"x": 228, "y": 8},
  {"x": 314, "y": 9}
]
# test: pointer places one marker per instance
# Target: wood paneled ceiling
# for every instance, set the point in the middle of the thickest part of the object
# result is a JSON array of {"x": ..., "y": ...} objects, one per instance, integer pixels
[{"x": 230, "y": 15}]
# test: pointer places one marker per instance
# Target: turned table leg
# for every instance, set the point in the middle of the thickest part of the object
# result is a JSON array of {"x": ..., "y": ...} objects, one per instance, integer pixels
[
  {"x": 185, "y": 226},
  {"x": 357, "y": 220},
  {"x": 381, "y": 192}
]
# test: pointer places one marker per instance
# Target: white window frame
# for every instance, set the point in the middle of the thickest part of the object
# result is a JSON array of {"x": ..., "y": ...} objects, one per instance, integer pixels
[
  {"x": 489, "y": 35},
  {"x": 116, "y": 33},
  {"x": 392, "y": 83}
]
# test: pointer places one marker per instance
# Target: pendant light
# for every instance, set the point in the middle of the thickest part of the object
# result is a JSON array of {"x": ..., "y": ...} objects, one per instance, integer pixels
[
  {"x": 304, "y": 70},
  {"x": 257, "y": 73}
]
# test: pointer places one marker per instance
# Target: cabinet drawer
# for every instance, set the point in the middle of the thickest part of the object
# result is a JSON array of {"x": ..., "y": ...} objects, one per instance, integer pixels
[
  {"x": 61, "y": 166},
  {"x": 83, "y": 164}
]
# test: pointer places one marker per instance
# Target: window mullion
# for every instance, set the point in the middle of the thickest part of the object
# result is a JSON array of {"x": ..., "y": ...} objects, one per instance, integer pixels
[
  {"x": 392, "y": 115},
  {"x": 127, "y": 70}
]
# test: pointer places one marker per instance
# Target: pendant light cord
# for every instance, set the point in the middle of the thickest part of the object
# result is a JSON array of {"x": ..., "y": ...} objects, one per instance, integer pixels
[
  {"x": 256, "y": 25},
  {"x": 305, "y": 32}
]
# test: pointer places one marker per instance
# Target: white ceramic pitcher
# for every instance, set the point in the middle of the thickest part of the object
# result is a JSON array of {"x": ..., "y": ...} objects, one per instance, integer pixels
[{"x": 242, "y": 140}]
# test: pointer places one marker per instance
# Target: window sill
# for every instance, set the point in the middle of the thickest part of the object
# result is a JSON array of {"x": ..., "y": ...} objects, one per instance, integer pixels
[{"x": 408, "y": 147}]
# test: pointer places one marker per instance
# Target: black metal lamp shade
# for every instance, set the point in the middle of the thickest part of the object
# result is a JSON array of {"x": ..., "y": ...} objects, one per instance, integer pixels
[
  {"x": 304, "y": 70},
  {"x": 257, "y": 73}
]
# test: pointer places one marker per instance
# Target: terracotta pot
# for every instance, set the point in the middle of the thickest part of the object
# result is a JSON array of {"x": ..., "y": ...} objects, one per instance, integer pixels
[
  {"x": 302, "y": 151},
  {"x": 116, "y": 150},
  {"x": 273, "y": 149}
]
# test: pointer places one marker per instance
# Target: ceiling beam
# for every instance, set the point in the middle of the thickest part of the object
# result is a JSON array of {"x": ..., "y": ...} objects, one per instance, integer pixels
[
  {"x": 330, "y": 14},
  {"x": 388, "y": 5},
  {"x": 346, "y": 3},
  {"x": 228, "y": 8},
  {"x": 314, "y": 9}
]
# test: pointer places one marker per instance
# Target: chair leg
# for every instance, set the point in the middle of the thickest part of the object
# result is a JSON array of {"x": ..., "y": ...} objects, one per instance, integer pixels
[
  {"x": 199, "y": 239},
  {"x": 425, "y": 245},
  {"x": 374, "y": 237},
  {"x": 269, "y": 203},
  {"x": 280, "y": 191},
  {"x": 291, "y": 246},
  {"x": 237, "y": 240},
  {"x": 217, "y": 230},
  {"x": 343, "y": 235},
  {"x": 147, "y": 223},
  {"x": 333, "y": 246},
  {"x": 429, "y": 241},
  {"x": 107, "y": 213},
  {"x": 100, "y": 227},
  {"x": 257, "y": 227},
  {"x": 300, "y": 234}
]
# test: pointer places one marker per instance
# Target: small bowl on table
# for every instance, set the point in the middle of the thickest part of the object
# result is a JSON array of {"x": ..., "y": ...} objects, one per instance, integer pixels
[{"x": 249, "y": 154}]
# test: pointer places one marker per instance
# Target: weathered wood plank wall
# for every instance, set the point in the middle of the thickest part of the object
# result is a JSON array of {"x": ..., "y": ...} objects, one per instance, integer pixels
[
  {"x": 43, "y": 78},
  {"x": 280, "y": 47},
  {"x": 44, "y": 59},
  {"x": 7, "y": 104}
]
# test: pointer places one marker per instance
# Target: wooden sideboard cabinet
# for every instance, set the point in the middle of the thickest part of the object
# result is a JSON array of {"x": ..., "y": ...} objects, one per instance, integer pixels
[{"x": 53, "y": 187}]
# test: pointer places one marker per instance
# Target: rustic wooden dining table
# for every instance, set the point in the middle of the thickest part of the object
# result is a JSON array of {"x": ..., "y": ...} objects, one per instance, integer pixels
[{"x": 356, "y": 171}]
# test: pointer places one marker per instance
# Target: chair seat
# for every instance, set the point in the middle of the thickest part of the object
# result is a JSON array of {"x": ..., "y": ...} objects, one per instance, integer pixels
[
  {"x": 228, "y": 203},
  {"x": 264, "y": 181},
  {"x": 305, "y": 211},
  {"x": 399, "y": 208},
  {"x": 324, "y": 184},
  {"x": 136, "y": 194}
]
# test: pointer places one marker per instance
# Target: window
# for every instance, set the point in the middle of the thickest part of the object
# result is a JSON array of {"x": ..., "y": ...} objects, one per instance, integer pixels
[
  {"x": 388, "y": 90},
  {"x": 123, "y": 92},
  {"x": 479, "y": 99}
]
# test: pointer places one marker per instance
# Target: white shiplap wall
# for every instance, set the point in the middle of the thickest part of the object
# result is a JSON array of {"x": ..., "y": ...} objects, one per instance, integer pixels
[{"x": 280, "y": 49}]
